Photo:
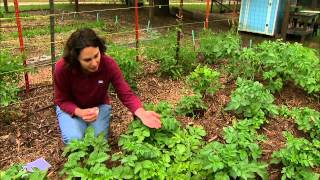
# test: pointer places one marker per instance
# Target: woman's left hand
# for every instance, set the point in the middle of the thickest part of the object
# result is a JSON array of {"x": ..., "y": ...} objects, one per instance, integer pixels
[{"x": 149, "y": 118}]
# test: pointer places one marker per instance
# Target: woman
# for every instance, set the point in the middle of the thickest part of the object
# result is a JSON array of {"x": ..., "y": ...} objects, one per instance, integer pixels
[{"x": 82, "y": 78}]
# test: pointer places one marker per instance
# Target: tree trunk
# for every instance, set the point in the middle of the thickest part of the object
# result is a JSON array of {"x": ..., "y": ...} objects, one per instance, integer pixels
[{"x": 161, "y": 7}]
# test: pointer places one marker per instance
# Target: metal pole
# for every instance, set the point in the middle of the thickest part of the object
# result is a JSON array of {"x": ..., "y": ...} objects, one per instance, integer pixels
[
  {"x": 26, "y": 77},
  {"x": 137, "y": 27},
  {"x": 207, "y": 13},
  {"x": 51, "y": 3}
]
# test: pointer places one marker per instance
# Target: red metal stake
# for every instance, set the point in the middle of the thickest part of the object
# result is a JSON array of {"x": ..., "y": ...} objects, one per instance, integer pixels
[
  {"x": 207, "y": 14},
  {"x": 137, "y": 27},
  {"x": 26, "y": 78}
]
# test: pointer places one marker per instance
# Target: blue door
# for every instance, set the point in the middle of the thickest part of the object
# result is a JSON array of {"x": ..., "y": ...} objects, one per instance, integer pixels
[{"x": 258, "y": 16}]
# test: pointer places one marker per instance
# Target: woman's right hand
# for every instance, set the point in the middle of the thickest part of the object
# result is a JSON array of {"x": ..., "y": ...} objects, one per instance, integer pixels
[{"x": 88, "y": 115}]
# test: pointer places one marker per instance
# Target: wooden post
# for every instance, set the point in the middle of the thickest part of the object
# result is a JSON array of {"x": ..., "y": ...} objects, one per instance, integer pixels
[
  {"x": 180, "y": 16},
  {"x": 285, "y": 21},
  {"x": 52, "y": 38},
  {"x": 137, "y": 27},
  {"x": 76, "y": 5},
  {"x": 5, "y": 4}
]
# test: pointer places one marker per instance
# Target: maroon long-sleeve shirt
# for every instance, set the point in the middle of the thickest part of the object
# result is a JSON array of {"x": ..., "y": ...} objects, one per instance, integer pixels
[{"x": 73, "y": 88}]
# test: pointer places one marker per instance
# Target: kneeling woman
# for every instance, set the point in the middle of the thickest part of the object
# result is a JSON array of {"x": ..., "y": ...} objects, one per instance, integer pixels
[{"x": 82, "y": 78}]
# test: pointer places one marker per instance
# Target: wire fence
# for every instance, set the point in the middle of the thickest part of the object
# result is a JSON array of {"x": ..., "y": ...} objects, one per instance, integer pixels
[{"x": 46, "y": 43}]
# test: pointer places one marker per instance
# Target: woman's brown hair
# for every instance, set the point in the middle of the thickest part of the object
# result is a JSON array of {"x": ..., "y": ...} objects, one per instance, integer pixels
[{"x": 79, "y": 40}]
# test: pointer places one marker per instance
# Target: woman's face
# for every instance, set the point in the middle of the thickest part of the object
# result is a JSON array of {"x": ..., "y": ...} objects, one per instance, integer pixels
[{"x": 89, "y": 59}]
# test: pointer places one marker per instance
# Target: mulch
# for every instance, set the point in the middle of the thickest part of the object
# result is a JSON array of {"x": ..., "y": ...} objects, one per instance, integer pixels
[{"x": 29, "y": 129}]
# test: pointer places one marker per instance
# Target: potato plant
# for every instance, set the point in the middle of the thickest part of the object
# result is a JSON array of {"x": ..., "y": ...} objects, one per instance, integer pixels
[
  {"x": 252, "y": 99},
  {"x": 11, "y": 69}
]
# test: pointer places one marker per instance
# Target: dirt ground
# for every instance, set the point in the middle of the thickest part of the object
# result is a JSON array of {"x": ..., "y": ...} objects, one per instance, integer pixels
[{"x": 29, "y": 129}]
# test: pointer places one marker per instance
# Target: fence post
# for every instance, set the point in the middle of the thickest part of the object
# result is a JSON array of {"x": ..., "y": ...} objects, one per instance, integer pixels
[
  {"x": 52, "y": 42},
  {"x": 137, "y": 28},
  {"x": 207, "y": 14},
  {"x": 26, "y": 77},
  {"x": 180, "y": 16}
]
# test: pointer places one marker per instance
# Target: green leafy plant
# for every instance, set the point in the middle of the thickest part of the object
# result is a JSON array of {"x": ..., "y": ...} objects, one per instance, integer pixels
[
  {"x": 251, "y": 99},
  {"x": 164, "y": 108},
  {"x": 298, "y": 157},
  {"x": 87, "y": 157},
  {"x": 238, "y": 157},
  {"x": 126, "y": 59},
  {"x": 244, "y": 135},
  {"x": 191, "y": 106},
  {"x": 204, "y": 80},
  {"x": 163, "y": 51},
  {"x": 308, "y": 120},
  {"x": 223, "y": 161},
  {"x": 17, "y": 171},
  {"x": 217, "y": 46},
  {"x": 166, "y": 153},
  {"x": 284, "y": 61},
  {"x": 245, "y": 64},
  {"x": 10, "y": 74}
]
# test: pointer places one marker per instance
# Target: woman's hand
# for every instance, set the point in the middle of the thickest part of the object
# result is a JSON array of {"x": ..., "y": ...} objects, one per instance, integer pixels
[
  {"x": 148, "y": 118},
  {"x": 88, "y": 115}
]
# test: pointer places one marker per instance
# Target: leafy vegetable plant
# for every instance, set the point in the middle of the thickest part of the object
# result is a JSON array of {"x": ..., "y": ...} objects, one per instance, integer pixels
[
  {"x": 191, "y": 106},
  {"x": 204, "y": 80},
  {"x": 163, "y": 51},
  {"x": 251, "y": 99},
  {"x": 10, "y": 75},
  {"x": 126, "y": 59},
  {"x": 217, "y": 46},
  {"x": 284, "y": 61},
  {"x": 298, "y": 157},
  {"x": 16, "y": 171},
  {"x": 87, "y": 157}
]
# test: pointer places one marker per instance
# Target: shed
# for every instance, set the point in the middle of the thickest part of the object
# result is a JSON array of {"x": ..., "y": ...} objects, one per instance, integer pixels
[{"x": 261, "y": 16}]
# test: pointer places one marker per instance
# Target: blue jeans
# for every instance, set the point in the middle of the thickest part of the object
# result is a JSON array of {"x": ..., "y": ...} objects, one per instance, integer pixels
[{"x": 75, "y": 127}]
